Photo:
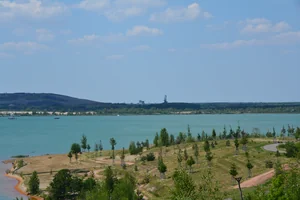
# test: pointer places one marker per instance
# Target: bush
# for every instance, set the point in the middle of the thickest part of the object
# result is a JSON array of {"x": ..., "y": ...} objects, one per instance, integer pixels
[
  {"x": 150, "y": 157},
  {"x": 143, "y": 158},
  {"x": 269, "y": 164},
  {"x": 281, "y": 146},
  {"x": 291, "y": 149},
  {"x": 20, "y": 163},
  {"x": 146, "y": 179}
]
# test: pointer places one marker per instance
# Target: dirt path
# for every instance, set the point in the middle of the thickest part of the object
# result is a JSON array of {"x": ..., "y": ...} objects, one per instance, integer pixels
[
  {"x": 272, "y": 147},
  {"x": 257, "y": 180},
  {"x": 21, "y": 188}
]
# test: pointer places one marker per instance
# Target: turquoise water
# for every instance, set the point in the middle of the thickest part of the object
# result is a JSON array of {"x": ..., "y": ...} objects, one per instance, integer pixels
[{"x": 41, "y": 135}]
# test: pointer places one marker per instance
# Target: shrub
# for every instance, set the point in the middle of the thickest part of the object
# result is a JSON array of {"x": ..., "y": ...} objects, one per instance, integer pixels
[
  {"x": 20, "y": 163},
  {"x": 143, "y": 158},
  {"x": 146, "y": 179},
  {"x": 291, "y": 149},
  {"x": 150, "y": 157},
  {"x": 269, "y": 164}
]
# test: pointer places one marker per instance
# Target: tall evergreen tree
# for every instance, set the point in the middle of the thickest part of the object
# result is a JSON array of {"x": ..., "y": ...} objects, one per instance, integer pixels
[
  {"x": 214, "y": 134},
  {"x": 162, "y": 168},
  {"x": 196, "y": 152},
  {"x": 233, "y": 172},
  {"x": 236, "y": 144},
  {"x": 164, "y": 137},
  {"x": 206, "y": 146},
  {"x": 84, "y": 142},
  {"x": 250, "y": 167},
  {"x": 190, "y": 162},
  {"x": 34, "y": 183},
  {"x": 88, "y": 147},
  {"x": 156, "y": 140}
]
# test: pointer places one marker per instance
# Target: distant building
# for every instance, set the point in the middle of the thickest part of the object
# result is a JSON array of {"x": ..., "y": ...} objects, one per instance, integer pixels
[
  {"x": 166, "y": 99},
  {"x": 141, "y": 102}
]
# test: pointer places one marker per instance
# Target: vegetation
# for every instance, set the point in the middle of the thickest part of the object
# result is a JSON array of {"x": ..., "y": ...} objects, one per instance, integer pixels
[{"x": 34, "y": 184}]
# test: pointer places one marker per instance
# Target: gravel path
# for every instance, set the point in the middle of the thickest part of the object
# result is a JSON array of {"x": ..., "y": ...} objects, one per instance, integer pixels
[{"x": 272, "y": 147}]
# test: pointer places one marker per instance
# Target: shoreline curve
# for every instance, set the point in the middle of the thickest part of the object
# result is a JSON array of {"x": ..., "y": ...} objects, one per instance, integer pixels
[{"x": 19, "y": 189}]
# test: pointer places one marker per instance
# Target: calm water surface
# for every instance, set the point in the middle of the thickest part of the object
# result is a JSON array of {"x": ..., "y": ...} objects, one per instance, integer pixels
[{"x": 41, "y": 135}]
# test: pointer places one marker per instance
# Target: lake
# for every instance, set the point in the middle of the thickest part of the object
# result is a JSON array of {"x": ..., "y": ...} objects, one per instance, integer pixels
[{"x": 42, "y": 135}]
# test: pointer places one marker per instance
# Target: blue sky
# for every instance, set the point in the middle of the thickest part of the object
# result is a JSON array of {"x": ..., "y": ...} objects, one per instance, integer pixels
[{"x": 130, "y": 50}]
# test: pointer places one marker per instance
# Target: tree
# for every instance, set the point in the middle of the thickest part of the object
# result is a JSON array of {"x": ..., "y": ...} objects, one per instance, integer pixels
[
  {"x": 297, "y": 133},
  {"x": 274, "y": 132},
  {"x": 224, "y": 133},
  {"x": 282, "y": 133},
  {"x": 162, "y": 168},
  {"x": 75, "y": 148},
  {"x": 100, "y": 148},
  {"x": 34, "y": 183},
  {"x": 244, "y": 142},
  {"x": 179, "y": 157},
  {"x": 291, "y": 149},
  {"x": 209, "y": 158},
  {"x": 228, "y": 143},
  {"x": 83, "y": 142},
  {"x": 249, "y": 166},
  {"x": 172, "y": 139},
  {"x": 203, "y": 135},
  {"x": 190, "y": 162},
  {"x": 96, "y": 149},
  {"x": 184, "y": 186},
  {"x": 185, "y": 156},
  {"x": 110, "y": 180},
  {"x": 88, "y": 147},
  {"x": 70, "y": 156},
  {"x": 189, "y": 135},
  {"x": 122, "y": 157},
  {"x": 236, "y": 144},
  {"x": 214, "y": 134},
  {"x": 233, "y": 172},
  {"x": 196, "y": 152},
  {"x": 164, "y": 137},
  {"x": 76, "y": 157},
  {"x": 64, "y": 186},
  {"x": 206, "y": 146},
  {"x": 198, "y": 137},
  {"x": 147, "y": 144},
  {"x": 277, "y": 154},
  {"x": 113, "y": 143},
  {"x": 156, "y": 140}
]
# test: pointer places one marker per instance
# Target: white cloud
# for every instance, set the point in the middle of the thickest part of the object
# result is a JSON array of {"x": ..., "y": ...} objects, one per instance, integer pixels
[
  {"x": 117, "y": 10},
  {"x": 144, "y": 31},
  {"x": 25, "y": 47},
  {"x": 5, "y": 55},
  {"x": 36, "y": 9},
  {"x": 192, "y": 12},
  {"x": 141, "y": 48},
  {"x": 91, "y": 39},
  {"x": 44, "y": 35},
  {"x": 262, "y": 25},
  {"x": 115, "y": 57},
  {"x": 288, "y": 38}
]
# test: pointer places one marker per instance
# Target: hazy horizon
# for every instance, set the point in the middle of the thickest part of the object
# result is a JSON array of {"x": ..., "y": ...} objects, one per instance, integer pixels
[{"x": 128, "y": 50}]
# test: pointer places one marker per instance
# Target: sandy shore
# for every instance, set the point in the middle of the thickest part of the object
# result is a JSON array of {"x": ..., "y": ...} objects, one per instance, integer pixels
[{"x": 21, "y": 188}]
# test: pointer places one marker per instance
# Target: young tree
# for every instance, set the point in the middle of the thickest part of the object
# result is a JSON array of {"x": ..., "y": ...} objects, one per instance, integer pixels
[
  {"x": 122, "y": 157},
  {"x": 198, "y": 137},
  {"x": 147, "y": 144},
  {"x": 297, "y": 133},
  {"x": 96, "y": 149},
  {"x": 228, "y": 143},
  {"x": 212, "y": 145},
  {"x": 164, "y": 137},
  {"x": 203, "y": 135},
  {"x": 70, "y": 156},
  {"x": 233, "y": 172},
  {"x": 190, "y": 162},
  {"x": 179, "y": 157},
  {"x": 162, "y": 168},
  {"x": 189, "y": 135},
  {"x": 113, "y": 143},
  {"x": 100, "y": 148},
  {"x": 172, "y": 139},
  {"x": 75, "y": 148},
  {"x": 184, "y": 186},
  {"x": 206, "y": 146},
  {"x": 88, "y": 147},
  {"x": 185, "y": 156},
  {"x": 214, "y": 134},
  {"x": 274, "y": 133},
  {"x": 236, "y": 144},
  {"x": 34, "y": 183},
  {"x": 132, "y": 148},
  {"x": 244, "y": 142},
  {"x": 209, "y": 158},
  {"x": 224, "y": 133},
  {"x": 156, "y": 140},
  {"x": 196, "y": 152},
  {"x": 109, "y": 180},
  {"x": 83, "y": 142},
  {"x": 249, "y": 166},
  {"x": 76, "y": 157},
  {"x": 282, "y": 133}
]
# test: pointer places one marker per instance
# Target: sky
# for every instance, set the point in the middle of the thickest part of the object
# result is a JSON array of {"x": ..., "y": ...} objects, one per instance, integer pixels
[{"x": 131, "y": 50}]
